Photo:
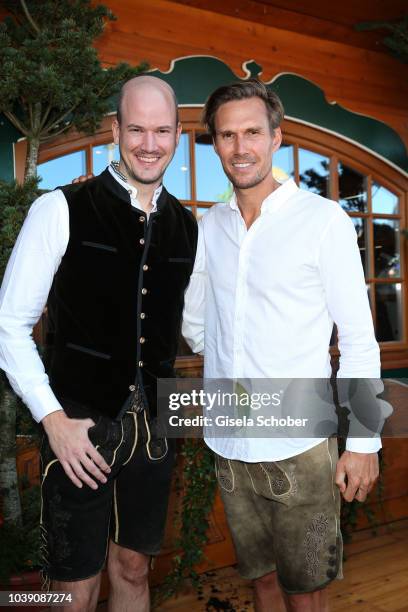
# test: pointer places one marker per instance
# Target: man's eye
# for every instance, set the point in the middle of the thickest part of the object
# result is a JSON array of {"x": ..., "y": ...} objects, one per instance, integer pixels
[{"x": 227, "y": 136}]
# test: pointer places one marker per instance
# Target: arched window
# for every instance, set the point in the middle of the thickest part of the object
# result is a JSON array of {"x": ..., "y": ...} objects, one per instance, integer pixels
[{"x": 370, "y": 190}]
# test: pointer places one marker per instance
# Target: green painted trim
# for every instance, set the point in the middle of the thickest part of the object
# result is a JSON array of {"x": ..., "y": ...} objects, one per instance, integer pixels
[
  {"x": 396, "y": 373},
  {"x": 193, "y": 79},
  {"x": 9, "y": 135}
]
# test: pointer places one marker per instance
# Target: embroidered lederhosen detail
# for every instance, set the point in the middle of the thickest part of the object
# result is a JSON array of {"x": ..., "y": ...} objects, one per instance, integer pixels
[
  {"x": 282, "y": 483},
  {"x": 136, "y": 437},
  {"x": 44, "y": 544},
  {"x": 314, "y": 542},
  {"x": 115, "y": 508},
  {"x": 162, "y": 454},
  {"x": 117, "y": 447},
  {"x": 225, "y": 474}
]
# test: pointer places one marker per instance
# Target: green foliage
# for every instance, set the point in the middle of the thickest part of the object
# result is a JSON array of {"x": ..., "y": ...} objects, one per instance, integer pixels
[
  {"x": 51, "y": 76},
  {"x": 199, "y": 484},
  {"x": 397, "y": 41},
  {"x": 22, "y": 544},
  {"x": 15, "y": 201}
]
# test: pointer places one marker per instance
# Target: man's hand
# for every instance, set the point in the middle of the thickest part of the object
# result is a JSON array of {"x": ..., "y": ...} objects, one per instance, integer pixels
[
  {"x": 70, "y": 442},
  {"x": 362, "y": 472},
  {"x": 82, "y": 178}
]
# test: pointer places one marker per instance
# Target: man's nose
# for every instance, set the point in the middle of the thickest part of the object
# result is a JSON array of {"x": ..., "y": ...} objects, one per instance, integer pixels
[
  {"x": 240, "y": 145},
  {"x": 149, "y": 141}
]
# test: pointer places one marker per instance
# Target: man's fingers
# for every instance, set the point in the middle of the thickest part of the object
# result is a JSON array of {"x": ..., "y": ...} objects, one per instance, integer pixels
[
  {"x": 361, "y": 494},
  {"x": 91, "y": 467},
  {"x": 340, "y": 478},
  {"x": 98, "y": 459},
  {"x": 82, "y": 178},
  {"x": 71, "y": 474},
  {"x": 352, "y": 487},
  {"x": 80, "y": 473}
]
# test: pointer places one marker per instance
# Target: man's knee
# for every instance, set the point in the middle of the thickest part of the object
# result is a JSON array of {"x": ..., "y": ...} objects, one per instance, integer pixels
[
  {"x": 129, "y": 566},
  {"x": 268, "y": 581}
]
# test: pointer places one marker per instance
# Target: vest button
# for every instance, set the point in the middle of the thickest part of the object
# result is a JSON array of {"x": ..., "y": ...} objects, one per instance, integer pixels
[
  {"x": 142, "y": 340},
  {"x": 142, "y": 241},
  {"x": 142, "y": 315},
  {"x": 130, "y": 191},
  {"x": 140, "y": 364},
  {"x": 144, "y": 291},
  {"x": 141, "y": 219},
  {"x": 145, "y": 268},
  {"x": 132, "y": 387}
]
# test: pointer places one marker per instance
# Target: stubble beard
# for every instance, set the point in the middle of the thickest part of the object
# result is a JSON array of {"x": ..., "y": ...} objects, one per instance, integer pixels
[
  {"x": 130, "y": 173},
  {"x": 139, "y": 179},
  {"x": 249, "y": 183}
]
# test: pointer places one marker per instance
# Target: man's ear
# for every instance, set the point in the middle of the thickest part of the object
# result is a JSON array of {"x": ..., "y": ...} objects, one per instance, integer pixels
[
  {"x": 115, "y": 131},
  {"x": 179, "y": 129},
  {"x": 214, "y": 141},
  {"x": 277, "y": 139}
]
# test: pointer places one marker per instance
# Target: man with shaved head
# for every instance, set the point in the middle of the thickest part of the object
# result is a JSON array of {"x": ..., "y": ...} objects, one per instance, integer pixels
[{"x": 112, "y": 256}]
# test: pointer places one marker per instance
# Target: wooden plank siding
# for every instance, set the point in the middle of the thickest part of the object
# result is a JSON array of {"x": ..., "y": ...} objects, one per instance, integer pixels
[{"x": 360, "y": 79}]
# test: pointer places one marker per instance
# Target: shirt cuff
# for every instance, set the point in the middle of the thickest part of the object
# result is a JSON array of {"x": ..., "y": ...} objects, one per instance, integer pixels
[
  {"x": 363, "y": 445},
  {"x": 41, "y": 401}
]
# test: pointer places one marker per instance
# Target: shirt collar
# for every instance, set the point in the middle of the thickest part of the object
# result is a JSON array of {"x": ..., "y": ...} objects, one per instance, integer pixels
[
  {"x": 132, "y": 191},
  {"x": 275, "y": 199}
]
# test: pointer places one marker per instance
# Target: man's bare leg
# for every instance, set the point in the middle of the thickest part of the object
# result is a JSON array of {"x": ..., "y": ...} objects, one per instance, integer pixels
[
  {"x": 128, "y": 577},
  {"x": 84, "y": 594},
  {"x": 268, "y": 594},
  {"x": 317, "y": 601}
]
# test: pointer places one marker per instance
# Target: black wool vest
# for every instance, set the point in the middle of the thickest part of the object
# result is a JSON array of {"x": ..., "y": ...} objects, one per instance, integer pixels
[{"x": 116, "y": 302}]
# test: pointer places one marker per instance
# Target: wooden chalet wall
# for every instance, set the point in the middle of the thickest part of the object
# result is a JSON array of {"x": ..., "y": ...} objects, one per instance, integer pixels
[{"x": 349, "y": 66}]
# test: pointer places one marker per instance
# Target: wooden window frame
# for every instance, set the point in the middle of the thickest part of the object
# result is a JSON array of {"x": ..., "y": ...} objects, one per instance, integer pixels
[{"x": 394, "y": 354}]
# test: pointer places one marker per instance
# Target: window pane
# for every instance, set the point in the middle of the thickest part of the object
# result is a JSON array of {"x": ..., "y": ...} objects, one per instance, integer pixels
[
  {"x": 352, "y": 189},
  {"x": 386, "y": 248},
  {"x": 283, "y": 163},
  {"x": 211, "y": 183},
  {"x": 384, "y": 202},
  {"x": 102, "y": 155},
  {"x": 360, "y": 226},
  {"x": 389, "y": 319},
  {"x": 201, "y": 210},
  {"x": 177, "y": 176},
  {"x": 314, "y": 172},
  {"x": 183, "y": 350},
  {"x": 62, "y": 170}
]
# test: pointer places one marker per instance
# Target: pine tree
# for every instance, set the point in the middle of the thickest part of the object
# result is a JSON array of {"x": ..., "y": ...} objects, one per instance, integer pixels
[
  {"x": 396, "y": 40},
  {"x": 51, "y": 76}
]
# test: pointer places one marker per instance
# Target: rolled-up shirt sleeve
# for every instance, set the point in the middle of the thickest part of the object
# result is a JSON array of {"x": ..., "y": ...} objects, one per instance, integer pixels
[
  {"x": 347, "y": 301},
  {"x": 194, "y": 299},
  {"x": 27, "y": 281}
]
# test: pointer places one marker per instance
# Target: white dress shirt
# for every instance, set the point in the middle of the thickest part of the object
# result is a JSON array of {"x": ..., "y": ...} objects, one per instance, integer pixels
[
  {"x": 262, "y": 301},
  {"x": 27, "y": 281}
]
